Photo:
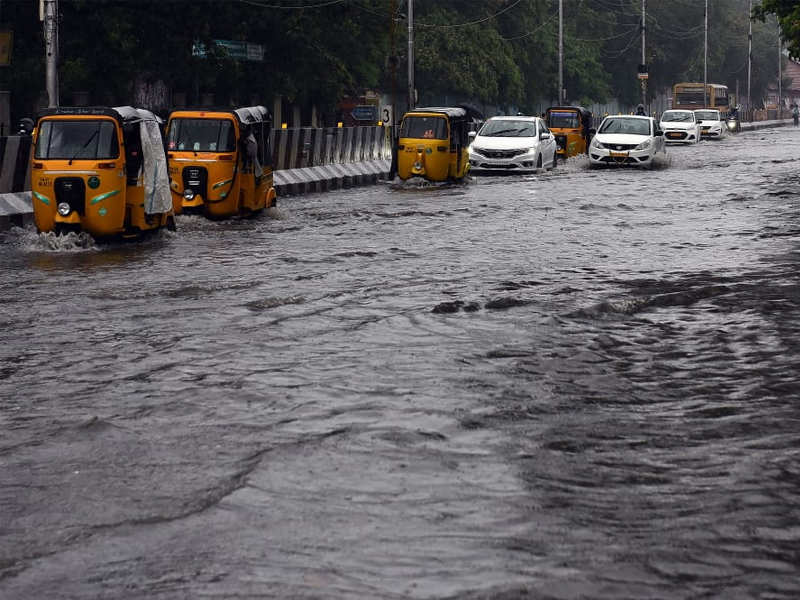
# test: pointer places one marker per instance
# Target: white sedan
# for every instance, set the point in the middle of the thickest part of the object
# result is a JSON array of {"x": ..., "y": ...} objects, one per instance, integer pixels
[
  {"x": 626, "y": 140},
  {"x": 513, "y": 144},
  {"x": 711, "y": 123},
  {"x": 680, "y": 126}
]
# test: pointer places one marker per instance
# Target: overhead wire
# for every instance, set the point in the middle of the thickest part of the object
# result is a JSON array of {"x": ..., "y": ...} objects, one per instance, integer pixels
[
  {"x": 295, "y": 7},
  {"x": 467, "y": 23}
]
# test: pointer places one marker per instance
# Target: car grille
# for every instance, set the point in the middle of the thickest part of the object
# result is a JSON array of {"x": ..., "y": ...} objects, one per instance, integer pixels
[
  {"x": 501, "y": 153},
  {"x": 620, "y": 146},
  {"x": 676, "y": 135}
]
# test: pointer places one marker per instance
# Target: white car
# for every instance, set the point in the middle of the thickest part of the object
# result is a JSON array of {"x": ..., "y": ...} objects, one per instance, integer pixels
[
  {"x": 680, "y": 127},
  {"x": 513, "y": 144},
  {"x": 626, "y": 140},
  {"x": 711, "y": 123}
]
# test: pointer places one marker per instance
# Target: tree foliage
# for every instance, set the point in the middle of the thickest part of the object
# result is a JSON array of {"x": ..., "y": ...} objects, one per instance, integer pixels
[{"x": 499, "y": 53}]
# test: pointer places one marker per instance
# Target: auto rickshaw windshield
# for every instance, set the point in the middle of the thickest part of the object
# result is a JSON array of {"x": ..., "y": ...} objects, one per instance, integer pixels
[
  {"x": 81, "y": 139},
  {"x": 202, "y": 135},
  {"x": 421, "y": 127},
  {"x": 564, "y": 119}
]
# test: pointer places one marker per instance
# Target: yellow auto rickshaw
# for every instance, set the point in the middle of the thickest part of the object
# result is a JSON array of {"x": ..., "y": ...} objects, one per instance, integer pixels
[
  {"x": 100, "y": 170},
  {"x": 572, "y": 127},
  {"x": 433, "y": 144},
  {"x": 220, "y": 161}
]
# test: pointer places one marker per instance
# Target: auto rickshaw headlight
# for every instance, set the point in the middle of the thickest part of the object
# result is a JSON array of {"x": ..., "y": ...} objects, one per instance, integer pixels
[
  {"x": 64, "y": 208},
  {"x": 188, "y": 194}
]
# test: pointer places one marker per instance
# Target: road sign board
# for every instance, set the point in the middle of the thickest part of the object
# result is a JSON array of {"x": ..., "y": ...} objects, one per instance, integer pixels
[{"x": 365, "y": 112}]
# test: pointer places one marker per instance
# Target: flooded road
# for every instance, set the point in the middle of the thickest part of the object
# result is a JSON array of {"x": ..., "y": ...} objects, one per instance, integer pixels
[{"x": 578, "y": 384}]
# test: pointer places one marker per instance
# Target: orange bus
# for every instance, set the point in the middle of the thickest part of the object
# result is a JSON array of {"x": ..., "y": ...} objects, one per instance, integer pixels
[{"x": 693, "y": 96}]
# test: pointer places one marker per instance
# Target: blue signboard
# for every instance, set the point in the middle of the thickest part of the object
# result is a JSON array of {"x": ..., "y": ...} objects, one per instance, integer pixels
[{"x": 365, "y": 112}]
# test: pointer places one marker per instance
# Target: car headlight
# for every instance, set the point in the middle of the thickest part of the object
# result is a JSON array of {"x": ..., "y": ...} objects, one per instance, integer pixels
[
  {"x": 64, "y": 209},
  {"x": 643, "y": 146},
  {"x": 597, "y": 144}
]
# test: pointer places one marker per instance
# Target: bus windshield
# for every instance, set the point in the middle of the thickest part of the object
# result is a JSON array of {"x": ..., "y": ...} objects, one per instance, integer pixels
[
  {"x": 201, "y": 135},
  {"x": 690, "y": 97},
  {"x": 84, "y": 139},
  {"x": 420, "y": 127}
]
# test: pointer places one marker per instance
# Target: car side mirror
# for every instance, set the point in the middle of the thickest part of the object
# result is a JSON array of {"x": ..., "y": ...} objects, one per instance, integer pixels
[
  {"x": 471, "y": 135},
  {"x": 592, "y": 132},
  {"x": 544, "y": 136}
]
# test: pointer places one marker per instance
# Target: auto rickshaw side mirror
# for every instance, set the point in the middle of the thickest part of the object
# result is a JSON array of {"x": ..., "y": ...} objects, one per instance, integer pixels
[{"x": 471, "y": 135}]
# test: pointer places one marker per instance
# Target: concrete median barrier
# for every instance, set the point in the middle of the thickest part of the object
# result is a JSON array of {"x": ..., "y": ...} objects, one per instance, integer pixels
[{"x": 306, "y": 160}]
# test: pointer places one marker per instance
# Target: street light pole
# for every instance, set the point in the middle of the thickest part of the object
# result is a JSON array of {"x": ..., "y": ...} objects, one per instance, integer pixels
[
  {"x": 644, "y": 57},
  {"x": 780, "y": 72},
  {"x": 705, "y": 58},
  {"x": 561, "y": 99},
  {"x": 411, "y": 99},
  {"x": 749, "y": 50},
  {"x": 49, "y": 8}
]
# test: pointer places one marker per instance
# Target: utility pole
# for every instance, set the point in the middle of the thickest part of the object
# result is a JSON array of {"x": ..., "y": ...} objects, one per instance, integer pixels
[
  {"x": 48, "y": 12},
  {"x": 561, "y": 99},
  {"x": 411, "y": 99},
  {"x": 705, "y": 58},
  {"x": 644, "y": 57},
  {"x": 749, "y": 50},
  {"x": 780, "y": 73}
]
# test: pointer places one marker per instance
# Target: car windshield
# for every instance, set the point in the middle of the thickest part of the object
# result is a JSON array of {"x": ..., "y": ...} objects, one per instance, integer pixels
[
  {"x": 201, "y": 135},
  {"x": 507, "y": 128},
  {"x": 561, "y": 119},
  {"x": 420, "y": 127},
  {"x": 707, "y": 115},
  {"x": 625, "y": 125},
  {"x": 84, "y": 139},
  {"x": 683, "y": 116}
]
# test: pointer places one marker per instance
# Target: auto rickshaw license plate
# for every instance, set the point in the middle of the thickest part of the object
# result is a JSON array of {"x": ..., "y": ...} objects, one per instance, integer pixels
[{"x": 618, "y": 154}]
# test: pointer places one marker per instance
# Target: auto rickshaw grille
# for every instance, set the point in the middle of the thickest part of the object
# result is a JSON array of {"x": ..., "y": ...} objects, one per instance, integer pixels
[
  {"x": 71, "y": 190},
  {"x": 196, "y": 179}
]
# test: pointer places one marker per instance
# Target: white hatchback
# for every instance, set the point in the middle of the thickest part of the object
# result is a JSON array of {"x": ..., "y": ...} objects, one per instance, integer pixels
[
  {"x": 711, "y": 123},
  {"x": 680, "y": 127},
  {"x": 626, "y": 140},
  {"x": 513, "y": 144}
]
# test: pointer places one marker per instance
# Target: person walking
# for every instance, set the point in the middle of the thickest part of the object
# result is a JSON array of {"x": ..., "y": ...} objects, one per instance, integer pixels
[{"x": 795, "y": 115}]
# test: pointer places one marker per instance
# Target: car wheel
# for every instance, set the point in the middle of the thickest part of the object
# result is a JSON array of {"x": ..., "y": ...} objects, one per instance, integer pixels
[{"x": 539, "y": 162}]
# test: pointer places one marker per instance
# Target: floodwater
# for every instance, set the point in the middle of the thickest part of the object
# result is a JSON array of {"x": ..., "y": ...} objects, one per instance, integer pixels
[{"x": 577, "y": 384}]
